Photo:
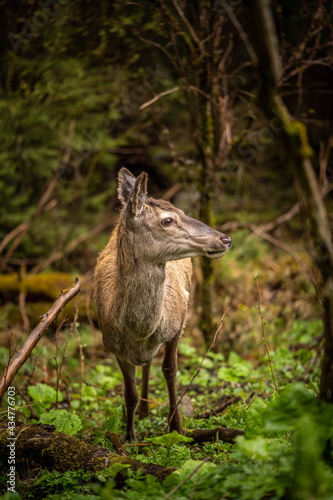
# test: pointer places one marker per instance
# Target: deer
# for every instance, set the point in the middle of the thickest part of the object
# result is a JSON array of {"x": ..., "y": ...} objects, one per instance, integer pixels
[{"x": 142, "y": 283}]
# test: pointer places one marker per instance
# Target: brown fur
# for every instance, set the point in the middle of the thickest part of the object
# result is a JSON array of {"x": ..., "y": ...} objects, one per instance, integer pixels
[{"x": 142, "y": 289}]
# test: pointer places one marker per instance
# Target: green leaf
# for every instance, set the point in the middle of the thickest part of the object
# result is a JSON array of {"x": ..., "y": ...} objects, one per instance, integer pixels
[
  {"x": 254, "y": 419},
  {"x": 283, "y": 414},
  {"x": 66, "y": 422},
  {"x": 256, "y": 448},
  {"x": 43, "y": 393},
  {"x": 113, "y": 470},
  {"x": 170, "y": 439}
]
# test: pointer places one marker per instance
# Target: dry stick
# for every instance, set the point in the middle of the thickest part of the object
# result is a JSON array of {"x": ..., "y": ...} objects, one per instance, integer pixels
[
  {"x": 22, "y": 299},
  {"x": 264, "y": 334},
  {"x": 240, "y": 30},
  {"x": 87, "y": 306},
  {"x": 33, "y": 414},
  {"x": 187, "y": 23},
  {"x": 198, "y": 370},
  {"x": 22, "y": 355},
  {"x": 56, "y": 358},
  {"x": 176, "y": 488},
  {"x": 81, "y": 353},
  {"x": 158, "y": 96}
]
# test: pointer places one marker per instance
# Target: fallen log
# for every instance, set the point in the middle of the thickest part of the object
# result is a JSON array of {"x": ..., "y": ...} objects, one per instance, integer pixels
[
  {"x": 39, "y": 445},
  {"x": 220, "y": 433}
]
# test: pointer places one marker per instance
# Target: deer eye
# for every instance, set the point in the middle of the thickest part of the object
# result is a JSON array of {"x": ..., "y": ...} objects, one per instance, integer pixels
[{"x": 167, "y": 222}]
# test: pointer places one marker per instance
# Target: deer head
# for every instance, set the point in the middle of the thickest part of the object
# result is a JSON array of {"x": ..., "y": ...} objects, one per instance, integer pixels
[{"x": 160, "y": 231}]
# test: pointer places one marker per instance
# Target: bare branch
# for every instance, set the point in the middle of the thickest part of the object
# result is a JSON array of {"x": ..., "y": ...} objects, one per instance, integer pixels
[
  {"x": 158, "y": 97},
  {"x": 263, "y": 325},
  {"x": 240, "y": 30},
  {"x": 186, "y": 22}
]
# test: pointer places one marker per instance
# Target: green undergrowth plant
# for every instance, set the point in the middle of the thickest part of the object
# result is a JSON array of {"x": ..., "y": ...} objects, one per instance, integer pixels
[{"x": 286, "y": 451}]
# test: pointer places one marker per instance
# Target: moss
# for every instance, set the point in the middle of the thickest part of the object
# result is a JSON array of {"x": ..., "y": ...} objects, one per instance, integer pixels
[
  {"x": 58, "y": 453},
  {"x": 48, "y": 284},
  {"x": 297, "y": 134},
  {"x": 41, "y": 290}
]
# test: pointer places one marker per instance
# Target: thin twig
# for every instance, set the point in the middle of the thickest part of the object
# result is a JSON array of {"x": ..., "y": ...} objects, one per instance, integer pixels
[
  {"x": 199, "y": 368},
  {"x": 158, "y": 96},
  {"x": 264, "y": 334},
  {"x": 176, "y": 488},
  {"x": 187, "y": 88},
  {"x": 57, "y": 368},
  {"x": 81, "y": 352},
  {"x": 22, "y": 299},
  {"x": 186, "y": 22},
  {"x": 240, "y": 30},
  {"x": 33, "y": 414}
]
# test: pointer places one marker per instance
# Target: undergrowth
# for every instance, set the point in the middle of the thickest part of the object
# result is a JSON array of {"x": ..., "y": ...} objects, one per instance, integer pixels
[{"x": 285, "y": 452}]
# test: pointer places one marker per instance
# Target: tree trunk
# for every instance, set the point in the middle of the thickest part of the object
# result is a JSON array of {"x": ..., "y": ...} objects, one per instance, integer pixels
[
  {"x": 296, "y": 154},
  {"x": 206, "y": 148}
]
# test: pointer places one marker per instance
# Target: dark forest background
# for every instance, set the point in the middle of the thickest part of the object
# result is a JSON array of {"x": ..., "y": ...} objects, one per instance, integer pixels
[
  {"x": 231, "y": 117},
  {"x": 166, "y": 87}
]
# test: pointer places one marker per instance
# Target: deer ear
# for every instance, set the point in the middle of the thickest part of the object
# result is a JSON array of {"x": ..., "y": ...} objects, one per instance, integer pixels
[
  {"x": 126, "y": 183},
  {"x": 139, "y": 194}
]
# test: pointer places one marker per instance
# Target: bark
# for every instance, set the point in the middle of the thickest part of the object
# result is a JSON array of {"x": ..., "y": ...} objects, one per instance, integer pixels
[
  {"x": 296, "y": 153},
  {"x": 195, "y": 53},
  {"x": 221, "y": 434},
  {"x": 207, "y": 144}
]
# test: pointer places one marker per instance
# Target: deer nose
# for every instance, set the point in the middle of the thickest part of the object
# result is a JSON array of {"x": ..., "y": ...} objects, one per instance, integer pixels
[{"x": 226, "y": 240}]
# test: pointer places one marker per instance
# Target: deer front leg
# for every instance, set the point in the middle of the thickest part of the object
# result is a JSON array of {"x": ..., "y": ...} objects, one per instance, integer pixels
[
  {"x": 170, "y": 371},
  {"x": 131, "y": 396},
  {"x": 143, "y": 408}
]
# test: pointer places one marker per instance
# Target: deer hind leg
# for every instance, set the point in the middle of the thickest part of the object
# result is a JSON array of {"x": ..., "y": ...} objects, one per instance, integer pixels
[
  {"x": 131, "y": 396},
  {"x": 143, "y": 408},
  {"x": 170, "y": 371}
]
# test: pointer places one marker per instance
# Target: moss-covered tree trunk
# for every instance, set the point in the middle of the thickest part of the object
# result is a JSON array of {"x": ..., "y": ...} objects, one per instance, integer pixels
[
  {"x": 195, "y": 50},
  {"x": 39, "y": 445},
  {"x": 296, "y": 153},
  {"x": 208, "y": 139},
  {"x": 206, "y": 148}
]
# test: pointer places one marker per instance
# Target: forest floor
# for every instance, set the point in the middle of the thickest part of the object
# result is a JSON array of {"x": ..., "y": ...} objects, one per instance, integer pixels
[{"x": 278, "y": 457}]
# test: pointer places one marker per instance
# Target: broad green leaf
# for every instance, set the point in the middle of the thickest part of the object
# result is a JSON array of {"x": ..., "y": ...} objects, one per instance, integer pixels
[
  {"x": 240, "y": 370},
  {"x": 66, "y": 422},
  {"x": 254, "y": 419},
  {"x": 170, "y": 439},
  {"x": 43, "y": 393},
  {"x": 113, "y": 470},
  {"x": 294, "y": 401},
  {"x": 256, "y": 449}
]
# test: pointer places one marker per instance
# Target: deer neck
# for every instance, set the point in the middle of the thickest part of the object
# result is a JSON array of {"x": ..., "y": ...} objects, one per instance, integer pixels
[{"x": 141, "y": 287}]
